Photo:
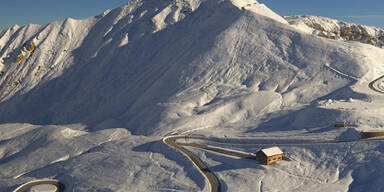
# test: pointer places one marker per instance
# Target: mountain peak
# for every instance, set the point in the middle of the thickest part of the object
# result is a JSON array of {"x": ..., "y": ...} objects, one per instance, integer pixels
[
  {"x": 258, "y": 8},
  {"x": 164, "y": 59},
  {"x": 83, "y": 97}
]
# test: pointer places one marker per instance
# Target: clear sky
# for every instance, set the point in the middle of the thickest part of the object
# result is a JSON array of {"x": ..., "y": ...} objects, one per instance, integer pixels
[
  {"x": 21, "y": 12},
  {"x": 366, "y": 12}
]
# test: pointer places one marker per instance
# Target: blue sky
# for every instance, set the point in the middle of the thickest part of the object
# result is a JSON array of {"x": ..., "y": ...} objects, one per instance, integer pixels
[
  {"x": 21, "y": 12},
  {"x": 367, "y": 12}
]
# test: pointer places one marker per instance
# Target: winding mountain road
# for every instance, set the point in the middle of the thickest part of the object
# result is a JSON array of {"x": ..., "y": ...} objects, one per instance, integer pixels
[
  {"x": 29, "y": 185},
  {"x": 209, "y": 175},
  {"x": 376, "y": 85}
]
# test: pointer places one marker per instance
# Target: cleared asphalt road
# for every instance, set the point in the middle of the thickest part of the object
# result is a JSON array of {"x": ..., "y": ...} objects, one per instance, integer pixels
[
  {"x": 374, "y": 84},
  {"x": 27, "y": 186},
  {"x": 210, "y": 176},
  {"x": 212, "y": 179}
]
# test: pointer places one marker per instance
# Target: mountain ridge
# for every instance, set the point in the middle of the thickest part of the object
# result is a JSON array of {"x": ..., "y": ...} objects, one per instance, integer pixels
[
  {"x": 209, "y": 63},
  {"x": 339, "y": 30},
  {"x": 91, "y": 100}
]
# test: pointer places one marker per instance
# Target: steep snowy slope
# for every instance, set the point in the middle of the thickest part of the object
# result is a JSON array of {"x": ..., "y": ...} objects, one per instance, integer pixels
[
  {"x": 63, "y": 43},
  {"x": 89, "y": 101},
  {"x": 33, "y": 54}
]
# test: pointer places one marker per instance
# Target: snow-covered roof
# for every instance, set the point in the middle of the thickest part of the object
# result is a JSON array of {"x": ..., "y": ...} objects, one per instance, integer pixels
[{"x": 272, "y": 151}]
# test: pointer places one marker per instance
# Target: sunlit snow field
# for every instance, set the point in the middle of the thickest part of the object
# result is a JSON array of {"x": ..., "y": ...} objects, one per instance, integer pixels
[{"x": 90, "y": 105}]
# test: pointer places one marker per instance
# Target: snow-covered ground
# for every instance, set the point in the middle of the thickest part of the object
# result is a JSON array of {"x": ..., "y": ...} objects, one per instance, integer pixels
[{"x": 89, "y": 103}]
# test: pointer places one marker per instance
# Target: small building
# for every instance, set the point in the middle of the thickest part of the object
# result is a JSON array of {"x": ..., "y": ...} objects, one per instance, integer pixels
[
  {"x": 269, "y": 155},
  {"x": 341, "y": 124}
]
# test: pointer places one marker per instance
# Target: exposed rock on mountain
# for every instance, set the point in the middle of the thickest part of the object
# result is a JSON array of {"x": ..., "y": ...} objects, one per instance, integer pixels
[{"x": 334, "y": 29}]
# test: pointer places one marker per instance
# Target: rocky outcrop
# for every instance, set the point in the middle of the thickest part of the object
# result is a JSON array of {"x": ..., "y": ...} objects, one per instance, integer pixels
[
  {"x": 339, "y": 30},
  {"x": 25, "y": 51},
  {"x": 19, "y": 57},
  {"x": 31, "y": 46}
]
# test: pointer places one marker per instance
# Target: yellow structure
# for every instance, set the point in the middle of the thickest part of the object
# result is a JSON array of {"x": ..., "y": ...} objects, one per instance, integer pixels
[{"x": 269, "y": 155}]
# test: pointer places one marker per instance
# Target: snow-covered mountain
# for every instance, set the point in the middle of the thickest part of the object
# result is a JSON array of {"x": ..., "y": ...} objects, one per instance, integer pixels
[
  {"x": 88, "y": 101},
  {"x": 127, "y": 65},
  {"x": 334, "y": 29}
]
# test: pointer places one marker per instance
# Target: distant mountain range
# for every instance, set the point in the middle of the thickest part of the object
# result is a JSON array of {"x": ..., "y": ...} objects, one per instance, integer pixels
[{"x": 334, "y": 29}]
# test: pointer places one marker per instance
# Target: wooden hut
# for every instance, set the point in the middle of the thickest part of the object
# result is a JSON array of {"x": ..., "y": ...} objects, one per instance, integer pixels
[
  {"x": 341, "y": 124},
  {"x": 269, "y": 155}
]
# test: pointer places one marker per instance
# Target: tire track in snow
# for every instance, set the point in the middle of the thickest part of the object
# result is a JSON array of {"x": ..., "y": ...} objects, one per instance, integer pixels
[
  {"x": 261, "y": 184},
  {"x": 340, "y": 73}
]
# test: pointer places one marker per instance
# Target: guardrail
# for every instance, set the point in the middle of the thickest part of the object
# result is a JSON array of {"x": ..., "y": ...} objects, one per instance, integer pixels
[{"x": 367, "y": 135}]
